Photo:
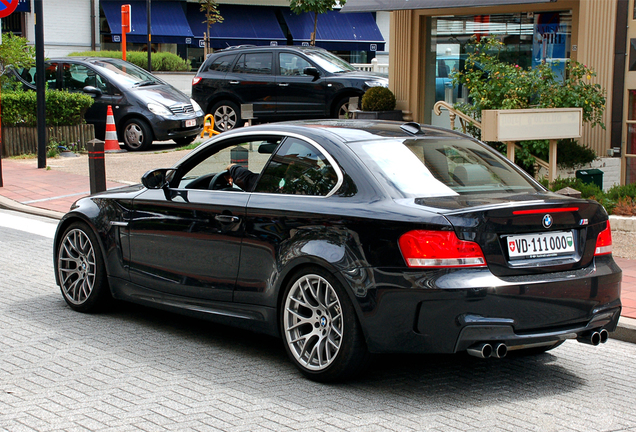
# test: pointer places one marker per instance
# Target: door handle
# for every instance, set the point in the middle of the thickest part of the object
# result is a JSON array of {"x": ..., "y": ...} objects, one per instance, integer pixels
[
  {"x": 283, "y": 84},
  {"x": 227, "y": 219},
  {"x": 234, "y": 82}
]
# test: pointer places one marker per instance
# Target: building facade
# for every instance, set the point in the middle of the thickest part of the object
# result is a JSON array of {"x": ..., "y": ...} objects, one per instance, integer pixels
[{"x": 428, "y": 34}]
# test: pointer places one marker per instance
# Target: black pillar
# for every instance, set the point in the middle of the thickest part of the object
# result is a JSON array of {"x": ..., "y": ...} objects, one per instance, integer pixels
[{"x": 40, "y": 83}]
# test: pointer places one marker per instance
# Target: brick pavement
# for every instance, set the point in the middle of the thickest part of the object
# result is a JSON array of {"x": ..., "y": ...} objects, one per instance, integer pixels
[{"x": 140, "y": 369}]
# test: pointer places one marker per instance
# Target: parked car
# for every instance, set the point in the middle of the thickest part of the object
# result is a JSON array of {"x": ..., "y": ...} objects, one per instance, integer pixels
[
  {"x": 145, "y": 108},
  {"x": 358, "y": 237},
  {"x": 281, "y": 83}
]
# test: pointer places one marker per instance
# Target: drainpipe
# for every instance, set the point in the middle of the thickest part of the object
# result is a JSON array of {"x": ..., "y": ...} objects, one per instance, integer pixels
[{"x": 93, "y": 26}]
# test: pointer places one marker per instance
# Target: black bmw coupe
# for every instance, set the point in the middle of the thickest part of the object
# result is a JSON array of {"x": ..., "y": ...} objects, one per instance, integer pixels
[{"x": 356, "y": 237}]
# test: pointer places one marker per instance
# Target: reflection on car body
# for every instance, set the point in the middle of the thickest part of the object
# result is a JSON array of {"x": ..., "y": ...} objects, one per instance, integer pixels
[{"x": 359, "y": 237}]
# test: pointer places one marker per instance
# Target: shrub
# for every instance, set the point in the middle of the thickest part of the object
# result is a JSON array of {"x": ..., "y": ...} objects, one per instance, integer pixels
[
  {"x": 378, "y": 99},
  {"x": 163, "y": 61},
  {"x": 62, "y": 108}
]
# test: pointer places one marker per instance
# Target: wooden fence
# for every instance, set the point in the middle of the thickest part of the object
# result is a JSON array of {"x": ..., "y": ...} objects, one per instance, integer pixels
[{"x": 21, "y": 140}]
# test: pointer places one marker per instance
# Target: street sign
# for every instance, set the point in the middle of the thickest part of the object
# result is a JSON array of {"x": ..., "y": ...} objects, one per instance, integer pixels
[{"x": 7, "y": 7}]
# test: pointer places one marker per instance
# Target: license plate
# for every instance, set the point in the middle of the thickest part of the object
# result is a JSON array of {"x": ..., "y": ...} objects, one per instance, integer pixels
[
  {"x": 540, "y": 245},
  {"x": 190, "y": 123}
]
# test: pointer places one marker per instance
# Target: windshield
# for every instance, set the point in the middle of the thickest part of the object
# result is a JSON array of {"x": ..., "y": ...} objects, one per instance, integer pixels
[
  {"x": 329, "y": 62},
  {"x": 441, "y": 167},
  {"x": 126, "y": 74}
]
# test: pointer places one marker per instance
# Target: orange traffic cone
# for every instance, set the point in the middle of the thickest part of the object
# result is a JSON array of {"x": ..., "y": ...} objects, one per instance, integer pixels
[{"x": 112, "y": 143}]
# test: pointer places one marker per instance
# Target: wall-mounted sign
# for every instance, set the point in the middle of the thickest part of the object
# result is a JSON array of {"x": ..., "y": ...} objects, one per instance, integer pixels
[
  {"x": 531, "y": 124},
  {"x": 374, "y": 47}
]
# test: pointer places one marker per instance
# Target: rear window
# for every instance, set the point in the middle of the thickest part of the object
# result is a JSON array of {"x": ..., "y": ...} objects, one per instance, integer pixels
[{"x": 441, "y": 167}]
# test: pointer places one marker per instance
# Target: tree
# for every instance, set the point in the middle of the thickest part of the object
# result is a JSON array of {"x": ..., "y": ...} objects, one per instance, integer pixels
[
  {"x": 212, "y": 16},
  {"x": 14, "y": 53},
  {"x": 315, "y": 6}
]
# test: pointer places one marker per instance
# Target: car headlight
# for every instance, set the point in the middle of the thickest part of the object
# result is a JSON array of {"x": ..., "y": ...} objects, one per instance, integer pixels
[
  {"x": 159, "y": 109},
  {"x": 377, "y": 83},
  {"x": 197, "y": 107}
]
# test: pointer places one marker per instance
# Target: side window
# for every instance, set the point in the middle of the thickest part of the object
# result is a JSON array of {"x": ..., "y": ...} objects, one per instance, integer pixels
[
  {"x": 254, "y": 63},
  {"x": 292, "y": 64},
  {"x": 222, "y": 64},
  {"x": 76, "y": 77},
  {"x": 28, "y": 75},
  {"x": 298, "y": 169}
]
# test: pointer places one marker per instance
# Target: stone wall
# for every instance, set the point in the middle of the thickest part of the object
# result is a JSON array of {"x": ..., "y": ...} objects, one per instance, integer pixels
[{"x": 610, "y": 166}]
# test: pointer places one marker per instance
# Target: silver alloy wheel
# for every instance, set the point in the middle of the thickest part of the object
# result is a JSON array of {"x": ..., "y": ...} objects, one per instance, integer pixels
[
  {"x": 313, "y": 322},
  {"x": 225, "y": 118},
  {"x": 134, "y": 135},
  {"x": 76, "y": 266},
  {"x": 343, "y": 111}
]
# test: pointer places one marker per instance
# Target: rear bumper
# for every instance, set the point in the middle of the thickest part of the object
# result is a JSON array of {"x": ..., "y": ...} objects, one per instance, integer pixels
[{"x": 447, "y": 311}]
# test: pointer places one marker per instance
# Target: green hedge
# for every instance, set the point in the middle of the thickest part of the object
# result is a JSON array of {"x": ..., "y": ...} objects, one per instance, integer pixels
[
  {"x": 62, "y": 108},
  {"x": 617, "y": 197},
  {"x": 163, "y": 61}
]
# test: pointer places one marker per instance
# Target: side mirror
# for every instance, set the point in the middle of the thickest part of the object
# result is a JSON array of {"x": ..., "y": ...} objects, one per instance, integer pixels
[
  {"x": 312, "y": 71},
  {"x": 158, "y": 179},
  {"x": 92, "y": 90}
]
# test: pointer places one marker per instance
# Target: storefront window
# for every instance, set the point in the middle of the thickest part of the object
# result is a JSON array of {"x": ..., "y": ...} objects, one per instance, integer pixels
[{"x": 530, "y": 39}]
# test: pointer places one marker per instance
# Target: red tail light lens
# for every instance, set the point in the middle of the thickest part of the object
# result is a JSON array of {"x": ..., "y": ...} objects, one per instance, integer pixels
[
  {"x": 196, "y": 80},
  {"x": 422, "y": 248},
  {"x": 604, "y": 241}
]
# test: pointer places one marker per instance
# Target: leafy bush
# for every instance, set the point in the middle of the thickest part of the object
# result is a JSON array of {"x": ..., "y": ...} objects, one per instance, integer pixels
[
  {"x": 163, "y": 61},
  {"x": 378, "y": 99},
  {"x": 62, "y": 108},
  {"x": 493, "y": 83}
]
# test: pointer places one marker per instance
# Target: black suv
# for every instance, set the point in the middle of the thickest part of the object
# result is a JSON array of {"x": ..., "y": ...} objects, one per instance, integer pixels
[
  {"x": 145, "y": 108},
  {"x": 280, "y": 82}
]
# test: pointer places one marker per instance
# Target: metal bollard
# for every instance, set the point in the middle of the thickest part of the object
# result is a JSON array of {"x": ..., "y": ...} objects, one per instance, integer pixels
[
  {"x": 96, "y": 166},
  {"x": 239, "y": 155}
]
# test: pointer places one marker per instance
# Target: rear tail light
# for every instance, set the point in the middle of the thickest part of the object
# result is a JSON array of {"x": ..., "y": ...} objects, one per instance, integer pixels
[
  {"x": 422, "y": 248},
  {"x": 604, "y": 241},
  {"x": 196, "y": 80}
]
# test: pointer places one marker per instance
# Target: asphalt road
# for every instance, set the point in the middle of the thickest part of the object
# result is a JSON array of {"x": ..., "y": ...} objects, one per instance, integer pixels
[{"x": 139, "y": 369}]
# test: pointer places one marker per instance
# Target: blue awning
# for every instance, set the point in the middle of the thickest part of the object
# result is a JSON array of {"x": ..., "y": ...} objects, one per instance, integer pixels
[
  {"x": 336, "y": 31},
  {"x": 23, "y": 6},
  {"x": 167, "y": 19},
  {"x": 256, "y": 25}
]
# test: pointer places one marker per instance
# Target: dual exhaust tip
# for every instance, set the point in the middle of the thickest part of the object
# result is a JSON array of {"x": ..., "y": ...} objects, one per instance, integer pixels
[
  {"x": 594, "y": 337},
  {"x": 499, "y": 350},
  {"x": 486, "y": 350}
]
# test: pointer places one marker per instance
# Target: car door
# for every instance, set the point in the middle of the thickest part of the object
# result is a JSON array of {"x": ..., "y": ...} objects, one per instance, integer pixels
[
  {"x": 76, "y": 77},
  {"x": 185, "y": 239},
  {"x": 298, "y": 94},
  {"x": 252, "y": 80}
]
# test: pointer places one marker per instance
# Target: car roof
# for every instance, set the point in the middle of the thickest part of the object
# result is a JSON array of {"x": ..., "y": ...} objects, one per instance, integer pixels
[
  {"x": 355, "y": 130},
  {"x": 269, "y": 47}
]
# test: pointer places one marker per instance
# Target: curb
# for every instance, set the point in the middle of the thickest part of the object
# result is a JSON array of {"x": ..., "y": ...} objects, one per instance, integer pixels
[
  {"x": 626, "y": 330},
  {"x": 623, "y": 223},
  {"x": 10, "y": 204}
]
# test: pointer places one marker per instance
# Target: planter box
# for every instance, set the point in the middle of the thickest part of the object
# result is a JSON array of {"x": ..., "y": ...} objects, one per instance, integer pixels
[
  {"x": 378, "y": 115},
  {"x": 21, "y": 140}
]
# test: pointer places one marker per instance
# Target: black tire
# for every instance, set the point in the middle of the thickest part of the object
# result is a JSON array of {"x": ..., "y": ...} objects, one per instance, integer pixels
[
  {"x": 320, "y": 329},
  {"x": 81, "y": 270},
  {"x": 341, "y": 109},
  {"x": 227, "y": 116},
  {"x": 534, "y": 351},
  {"x": 185, "y": 140},
  {"x": 136, "y": 135}
]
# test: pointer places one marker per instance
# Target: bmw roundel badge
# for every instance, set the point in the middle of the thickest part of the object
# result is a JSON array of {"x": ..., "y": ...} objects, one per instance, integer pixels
[{"x": 547, "y": 221}]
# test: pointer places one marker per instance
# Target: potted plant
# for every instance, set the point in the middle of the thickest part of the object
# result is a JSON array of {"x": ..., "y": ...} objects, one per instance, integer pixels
[{"x": 378, "y": 103}]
